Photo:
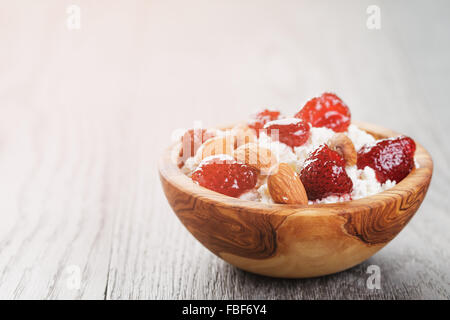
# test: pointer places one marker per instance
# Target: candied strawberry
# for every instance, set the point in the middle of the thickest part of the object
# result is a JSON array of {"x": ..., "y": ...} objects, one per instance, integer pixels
[
  {"x": 261, "y": 118},
  {"x": 392, "y": 159},
  {"x": 224, "y": 175},
  {"x": 293, "y": 132},
  {"x": 191, "y": 141},
  {"x": 324, "y": 175},
  {"x": 328, "y": 110}
]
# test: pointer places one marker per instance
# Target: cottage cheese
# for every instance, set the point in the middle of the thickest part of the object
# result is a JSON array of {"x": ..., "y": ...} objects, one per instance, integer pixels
[
  {"x": 264, "y": 194},
  {"x": 282, "y": 152},
  {"x": 359, "y": 137},
  {"x": 364, "y": 180},
  {"x": 318, "y": 136}
]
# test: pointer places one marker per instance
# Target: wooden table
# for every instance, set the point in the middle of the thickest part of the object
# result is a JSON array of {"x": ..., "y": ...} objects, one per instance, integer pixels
[{"x": 85, "y": 114}]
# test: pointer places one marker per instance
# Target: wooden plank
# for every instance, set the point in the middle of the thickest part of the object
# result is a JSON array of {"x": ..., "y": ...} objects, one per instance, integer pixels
[
  {"x": 182, "y": 269},
  {"x": 85, "y": 115}
]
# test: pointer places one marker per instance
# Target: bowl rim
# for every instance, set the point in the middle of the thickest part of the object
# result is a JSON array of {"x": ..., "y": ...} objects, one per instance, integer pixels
[{"x": 170, "y": 172}]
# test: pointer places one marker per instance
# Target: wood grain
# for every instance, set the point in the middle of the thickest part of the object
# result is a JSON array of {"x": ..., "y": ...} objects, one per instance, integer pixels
[
  {"x": 382, "y": 223},
  {"x": 86, "y": 114}
]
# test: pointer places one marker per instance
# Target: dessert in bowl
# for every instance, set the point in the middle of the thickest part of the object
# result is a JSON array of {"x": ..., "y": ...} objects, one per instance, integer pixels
[{"x": 337, "y": 201}]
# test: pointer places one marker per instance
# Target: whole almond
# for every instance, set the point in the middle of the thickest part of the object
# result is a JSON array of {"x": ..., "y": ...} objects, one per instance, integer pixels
[
  {"x": 218, "y": 145},
  {"x": 256, "y": 157},
  {"x": 286, "y": 187},
  {"x": 344, "y": 146},
  {"x": 244, "y": 134}
]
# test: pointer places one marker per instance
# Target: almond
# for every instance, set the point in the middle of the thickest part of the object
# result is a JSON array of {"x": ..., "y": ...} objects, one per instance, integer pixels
[
  {"x": 256, "y": 157},
  {"x": 344, "y": 146},
  {"x": 244, "y": 134},
  {"x": 218, "y": 145},
  {"x": 286, "y": 187}
]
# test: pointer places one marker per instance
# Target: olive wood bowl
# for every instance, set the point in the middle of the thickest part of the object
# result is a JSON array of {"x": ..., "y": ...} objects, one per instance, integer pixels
[{"x": 296, "y": 241}]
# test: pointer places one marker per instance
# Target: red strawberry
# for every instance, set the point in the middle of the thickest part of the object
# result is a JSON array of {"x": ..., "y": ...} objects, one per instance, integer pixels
[
  {"x": 293, "y": 132},
  {"x": 324, "y": 175},
  {"x": 328, "y": 110},
  {"x": 261, "y": 118},
  {"x": 392, "y": 159},
  {"x": 191, "y": 141},
  {"x": 227, "y": 177}
]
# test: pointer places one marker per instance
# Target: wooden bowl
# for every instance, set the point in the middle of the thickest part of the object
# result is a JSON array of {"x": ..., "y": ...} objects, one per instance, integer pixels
[{"x": 296, "y": 241}]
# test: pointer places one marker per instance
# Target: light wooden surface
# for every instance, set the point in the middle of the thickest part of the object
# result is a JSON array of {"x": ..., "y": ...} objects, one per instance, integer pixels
[{"x": 85, "y": 115}]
